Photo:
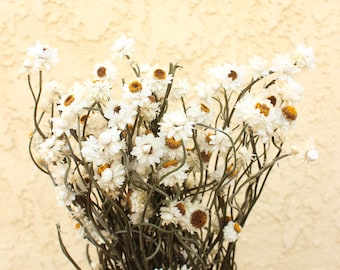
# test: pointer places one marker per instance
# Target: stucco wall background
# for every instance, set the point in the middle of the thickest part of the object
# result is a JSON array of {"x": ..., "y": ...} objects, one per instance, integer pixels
[{"x": 296, "y": 224}]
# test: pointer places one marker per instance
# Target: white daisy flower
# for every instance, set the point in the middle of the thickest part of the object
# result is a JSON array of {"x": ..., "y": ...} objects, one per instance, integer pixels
[
  {"x": 220, "y": 141},
  {"x": 43, "y": 56},
  {"x": 282, "y": 63},
  {"x": 148, "y": 149},
  {"x": 64, "y": 196},
  {"x": 179, "y": 89},
  {"x": 105, "y": 71},
  {"x": 176, "y": 178},
  {"x": 303, "y": 57},
  {"x": 123, "y": 46},
  {"x": 231, "y": 231},
  {"x": 257, "y": 67},
  {"x": 172, "y": 213},
  {"x": 229, "y": 76},
  {"x": 176, "y": 125},
  {"x": 120, "y": 114},
  {"x": 109, "y": 141}
]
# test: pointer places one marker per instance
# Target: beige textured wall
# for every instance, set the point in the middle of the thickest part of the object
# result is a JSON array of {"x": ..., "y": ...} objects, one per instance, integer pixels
[{"x": 296, "y": 225}]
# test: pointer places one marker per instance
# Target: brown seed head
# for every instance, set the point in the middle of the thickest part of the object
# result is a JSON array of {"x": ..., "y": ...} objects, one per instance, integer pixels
[
  {"x": 159, "y": 74},
  {"x": 205, "y": 156},
  {"x": 101, "y": 72},
  {"x": 233, "y": 75},
  {"x": 198, "y": 218},
  {"x": 289, "y": 112}
]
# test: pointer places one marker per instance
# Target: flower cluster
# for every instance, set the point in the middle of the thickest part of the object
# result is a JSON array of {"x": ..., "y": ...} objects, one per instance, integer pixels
[{"x": 154, "y": 178}]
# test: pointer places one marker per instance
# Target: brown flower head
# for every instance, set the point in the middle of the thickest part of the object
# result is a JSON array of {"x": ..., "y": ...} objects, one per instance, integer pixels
[
  {"x": 289, "y": 112},
  {"x": 135, "y": 87},
  {"x": 198, "y": 218}
]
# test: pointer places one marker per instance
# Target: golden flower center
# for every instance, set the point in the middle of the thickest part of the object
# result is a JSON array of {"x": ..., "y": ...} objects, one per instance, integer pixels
[
  {"x": 68, "y": 101},
  {"x": 198, "y": 218},
  {"x": 101, "y": 72},
  {"x": 233, "y": 75},
  {"x": 170, "y": 163},
  {"x": 289, "y": 112},
  {"x": 102, "y": 168},
  {"x": 135, "y": 87},
  {"x": 264, "y": 109},
  {"x": 172, "y": 143},
  {"x": 159, "y": 74},
  {"x": 181, "y": 207},
  {"x": 204, "y": 108},
  {"x": 237, "y": 227}
]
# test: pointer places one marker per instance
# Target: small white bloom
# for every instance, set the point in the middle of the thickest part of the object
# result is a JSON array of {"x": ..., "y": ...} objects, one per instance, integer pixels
[
  {"x": 221, "y": 140},
  {"x": 282, "y": 63},
  {"x": 123, "y": 46},
  {"x": 179, "y": 89},
  {"x": 176, "y": 125},
  {"x": 105, "y": 70},
  {"x": 304, "y": 57},
  {"x": 42, "y": 56},
  {"x": 231, "y": 231},
  {"x": 258, "y": 67},
  {"x": 64, "y": 196},
  {"x": 120, "y": 114},
  {"x": 148, "y": 149}
]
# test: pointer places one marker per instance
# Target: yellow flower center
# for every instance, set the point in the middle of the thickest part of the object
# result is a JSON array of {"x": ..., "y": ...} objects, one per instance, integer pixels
[
  {"x": 237, "y": 227},
  {"x": 289, "y": 112},
  {"x": 264, "y": 109},
  {"x": 101, "y": 72},
  {"x": 172, "y": 143},
  {"x": 170, "y": 163},
  {"x": 102, "y": 168},
  {"x": 135, "y": 87},
  {"x": 198, "y": 218},
  {"x": 68, "y": 100},
  {"x": 159, "y": 74},
  {"x": 204, "y": 108}
]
